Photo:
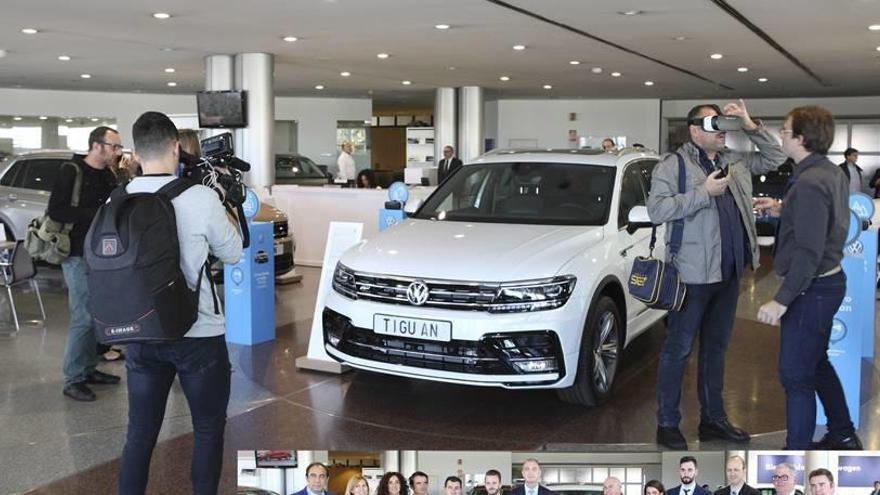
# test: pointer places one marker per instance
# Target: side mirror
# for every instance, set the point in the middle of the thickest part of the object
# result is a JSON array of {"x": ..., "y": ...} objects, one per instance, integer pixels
[
  {"x": 412, "y": 206},
  {"x": 638, "y": 219}
]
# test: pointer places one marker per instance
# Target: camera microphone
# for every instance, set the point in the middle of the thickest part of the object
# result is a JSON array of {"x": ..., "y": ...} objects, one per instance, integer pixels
[{"x": 238, "y": 164}]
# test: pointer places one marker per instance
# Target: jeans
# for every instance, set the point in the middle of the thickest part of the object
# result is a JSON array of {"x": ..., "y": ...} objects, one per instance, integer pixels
[
  {"x": 204, "y": 370},
  {"x": 804, "y": 369},
  {"x": 80, "y": 351},
  {"x": 709, "y": 311}
]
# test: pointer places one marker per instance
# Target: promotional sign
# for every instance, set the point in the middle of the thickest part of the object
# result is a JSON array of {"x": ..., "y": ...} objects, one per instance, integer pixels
[
  {"x": 249, "y": 287},
  {"x": 251, "y": 204},
  {"x": 858, "y": 471},
  {"x": 767, "y": 465},
  {"x": 387, "y": 217},
  {"x": 854, "y": 321}
]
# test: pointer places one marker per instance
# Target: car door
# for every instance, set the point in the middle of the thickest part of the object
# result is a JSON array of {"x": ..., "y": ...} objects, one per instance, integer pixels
[{"x": 634, "y": 186}]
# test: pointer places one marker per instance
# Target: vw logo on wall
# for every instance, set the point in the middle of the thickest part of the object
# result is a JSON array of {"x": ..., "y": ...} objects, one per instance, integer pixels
[
  {"x": 838, "y": 331},
  {"x": 417, "y": 293}
]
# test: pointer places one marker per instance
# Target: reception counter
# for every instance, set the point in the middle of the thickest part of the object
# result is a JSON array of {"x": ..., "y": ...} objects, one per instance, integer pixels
[{"x": 310, "y": 209}]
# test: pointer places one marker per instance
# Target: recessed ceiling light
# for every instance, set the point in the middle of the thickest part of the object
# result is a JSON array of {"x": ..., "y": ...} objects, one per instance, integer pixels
[
  {"x": 649, "y": 83},
  {"x": 406, "y": 83},
  {"x": 630, "y": 12},
  {"x": 29, "y": 31},
  {"x": 762, "y": 79},
  {"x": 94, "y": 119},
  {"x": 716, "y": 56},
  {"x": 161, "y": 15},
  {"x": 616, "y": 74},
  {"x": 451, "y": 67},
  {"x": 170, "y": 70},
  {"x": 878, "y": 48},
  {"x": 442, "y": 26},
  {"x": 64, "y": 58},
  {"x": 575, "y": 62},
  {"x": 16, "y": 118},
  {"x": 319, "y": 87},
  {"x": 742, "y": 69},
  {"x": 547, "y": 86},
  {"x": 43, "y": 117},
  {"x": 519, "y": 48},
  {"x": 2, "y": 53},
  {"x": 85, "y": 76},
  {"x": 596, "y": 70},
  {"x": 874, "y": 27},
  {"x": 383, "y": 55},
  {"x": 681, "y": 38},
  {"x": 166, "y": 49},
  {"x": 68, "y": 120},
  {"x": 290, "y": 39},
  {"x": 172, "y": 84},
  {"x": 345, "y": 74},
  {"x": 504, "y": 78}
]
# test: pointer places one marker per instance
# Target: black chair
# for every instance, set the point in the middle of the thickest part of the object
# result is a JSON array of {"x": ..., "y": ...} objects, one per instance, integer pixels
[{"x": 18, "y": 268}]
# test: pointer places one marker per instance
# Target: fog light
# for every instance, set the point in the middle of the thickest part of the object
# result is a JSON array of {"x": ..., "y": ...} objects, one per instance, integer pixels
[
  {"x": 334, "y": 341},
  {"x": 536, "y": 365}
]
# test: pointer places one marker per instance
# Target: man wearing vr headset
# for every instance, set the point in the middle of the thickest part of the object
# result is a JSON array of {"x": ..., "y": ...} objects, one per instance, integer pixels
[{"x": 719, "y": 241}]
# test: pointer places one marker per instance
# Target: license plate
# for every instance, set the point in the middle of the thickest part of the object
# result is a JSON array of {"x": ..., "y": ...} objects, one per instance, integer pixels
[
  {"x": 414, "y": 328},
  {"x": 279, "y": 249}
]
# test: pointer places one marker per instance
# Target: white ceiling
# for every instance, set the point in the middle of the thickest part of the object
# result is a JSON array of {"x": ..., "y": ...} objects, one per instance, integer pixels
[{"x": 119, "y": 44}]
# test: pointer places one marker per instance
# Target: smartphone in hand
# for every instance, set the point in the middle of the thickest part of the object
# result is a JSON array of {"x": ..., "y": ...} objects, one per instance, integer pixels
[{"x": 723, "y": 172}]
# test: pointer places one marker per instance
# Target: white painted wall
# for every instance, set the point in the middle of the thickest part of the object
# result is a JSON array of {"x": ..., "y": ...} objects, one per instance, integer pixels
[
  {"x": 490, "y": 121},
  {"x": 316, "y": 118},
  {"x": 547, "y": 121},
  {"x": 857, "y": 106}
]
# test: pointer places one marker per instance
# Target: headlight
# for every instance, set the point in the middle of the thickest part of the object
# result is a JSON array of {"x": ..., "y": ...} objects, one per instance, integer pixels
[
  {"x": 533, "y": 295},
  {"x": 344, "y": 281}
]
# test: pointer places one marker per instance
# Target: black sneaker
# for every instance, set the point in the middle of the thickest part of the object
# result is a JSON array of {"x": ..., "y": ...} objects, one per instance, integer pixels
[
  {"x": 722, "y": 430},
  {"x": 101, "y": 378},
  {"x": 671, "y": 438},
  {"x": 79, "y": 391},
  {"x": 849, "y": 442}
]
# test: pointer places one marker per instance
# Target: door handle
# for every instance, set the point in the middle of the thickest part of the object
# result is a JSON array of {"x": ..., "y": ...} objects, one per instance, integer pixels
[{"x": 624, "y": 250}]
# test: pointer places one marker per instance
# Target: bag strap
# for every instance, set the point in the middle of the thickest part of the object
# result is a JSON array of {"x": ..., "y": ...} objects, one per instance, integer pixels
[
  {"x": 176, "y": 187},
  {"x": 206, "y": 269},
  {"x": 677, "y": 225},
  {"x": 77, "y": 185}
]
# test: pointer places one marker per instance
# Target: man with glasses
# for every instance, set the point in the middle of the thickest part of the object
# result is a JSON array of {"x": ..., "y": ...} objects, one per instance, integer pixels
[
  {"x": 719, "y": 241},
  {"x": 813, "y": 225},
  {"x": 784, "y": 479},
  {"x": 317, "y": 476},
  {"x": 98, "y": 180}
]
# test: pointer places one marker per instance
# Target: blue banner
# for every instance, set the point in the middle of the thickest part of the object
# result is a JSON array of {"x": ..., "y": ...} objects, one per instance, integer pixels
[
  {"x": 857, "y": 470},
  {"x": 854, "y": 322},
  {"x": 767, "y": 465},
  {"x": 249, "y": 286}
]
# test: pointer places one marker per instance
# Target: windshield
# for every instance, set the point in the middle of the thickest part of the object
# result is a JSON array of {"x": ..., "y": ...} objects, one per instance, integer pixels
[
  {"x": 524, "y": 192},
  {"x": 297, "y": 167}
]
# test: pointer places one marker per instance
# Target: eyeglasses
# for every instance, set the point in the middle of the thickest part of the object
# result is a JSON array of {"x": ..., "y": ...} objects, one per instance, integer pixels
[
  {"x": 116, "y": 147},
  {"x": 781, "y": 477},
  {"x": 785, "y": 131}
]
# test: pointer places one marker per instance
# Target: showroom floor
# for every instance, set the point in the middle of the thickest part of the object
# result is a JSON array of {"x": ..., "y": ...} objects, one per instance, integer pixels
[{"x": 48, "y": 438}]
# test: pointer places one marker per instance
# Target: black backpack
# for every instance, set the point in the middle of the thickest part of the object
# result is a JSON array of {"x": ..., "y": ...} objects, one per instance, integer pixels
[{"x": 137, "y": 291}]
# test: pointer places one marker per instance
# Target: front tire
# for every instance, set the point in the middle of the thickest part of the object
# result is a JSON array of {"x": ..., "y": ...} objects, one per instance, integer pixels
[{"x": 599, "y": 355}]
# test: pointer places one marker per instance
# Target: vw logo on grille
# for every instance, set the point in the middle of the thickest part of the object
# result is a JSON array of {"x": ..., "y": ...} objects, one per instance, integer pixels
[{"x": 417, "y": 293}]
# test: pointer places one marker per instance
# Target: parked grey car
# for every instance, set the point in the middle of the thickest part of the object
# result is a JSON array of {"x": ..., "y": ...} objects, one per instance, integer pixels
[
  {"x": 298, "y": 169},
  {"x": 25, "y": 185}
]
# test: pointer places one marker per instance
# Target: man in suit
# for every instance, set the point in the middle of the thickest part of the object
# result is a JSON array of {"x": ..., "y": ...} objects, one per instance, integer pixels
[
  {"x": 317, "y": 476},
  {"x": 452, "y": 485},
  {"x": 736, "y": 478},
  {"x": 492, "y": 482},
  {"x": 448, "y": 164},
  {"x": 876, "y": 488},
  {"x": 687, "y": 473},
  {"x": 418, "y": 482},
  {"x": 612, "y": 486},
  {"x": 784, "y": 479},
  {"x": 531, "y": 472},
  {"x": 852, "y": 171},
  {"x": 821, "y": 482}
]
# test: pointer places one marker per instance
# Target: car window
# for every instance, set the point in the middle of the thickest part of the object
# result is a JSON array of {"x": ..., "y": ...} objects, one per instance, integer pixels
[
  {"x": 543, "y": 193},
  {"x": 634, "y": 188},
  {"x": 298, "y": 167},
  {"x": 9, "y": 176},
  {"x": 38, "y": 174}
]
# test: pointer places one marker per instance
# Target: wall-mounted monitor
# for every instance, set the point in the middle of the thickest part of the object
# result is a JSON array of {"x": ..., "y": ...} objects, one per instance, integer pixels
[{"x": 222, "y": 109}]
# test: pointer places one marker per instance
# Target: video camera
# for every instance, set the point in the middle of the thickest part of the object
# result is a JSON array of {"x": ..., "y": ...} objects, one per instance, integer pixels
[{"x": 219, "y": 169}]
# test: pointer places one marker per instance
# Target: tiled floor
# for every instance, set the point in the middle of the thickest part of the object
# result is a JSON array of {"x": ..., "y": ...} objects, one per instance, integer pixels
[{"x": 66, "y": 447}]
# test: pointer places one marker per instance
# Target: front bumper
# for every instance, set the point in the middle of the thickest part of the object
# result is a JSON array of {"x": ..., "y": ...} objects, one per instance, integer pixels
[
  {"x": 500, "y": 357},
  {"x": 284, "y": 252}
]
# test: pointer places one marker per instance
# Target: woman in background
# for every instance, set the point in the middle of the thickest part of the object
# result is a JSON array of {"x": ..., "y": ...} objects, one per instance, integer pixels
[
  {"x": 654, "y": 487},
  {"x": 357, "y": 485},
  {"x": 392, "y": 483}
]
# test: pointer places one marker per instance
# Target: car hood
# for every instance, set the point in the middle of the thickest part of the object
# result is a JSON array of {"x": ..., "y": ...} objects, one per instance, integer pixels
[{"x": 482, "y": 252}]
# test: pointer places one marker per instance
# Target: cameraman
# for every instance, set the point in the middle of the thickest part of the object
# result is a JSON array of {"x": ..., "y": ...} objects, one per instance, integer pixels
[
  {"x": 200, "y": 359},
  {"x": 719, "y": 241}
]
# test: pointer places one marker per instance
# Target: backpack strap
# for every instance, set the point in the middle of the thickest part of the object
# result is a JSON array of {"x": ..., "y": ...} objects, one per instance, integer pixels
[
  {"x": 677, "y": 225},
  {"x": 174, "y": 188},
  {"x": 75, "y": 194},
  {"x": 207, "y": 271}
]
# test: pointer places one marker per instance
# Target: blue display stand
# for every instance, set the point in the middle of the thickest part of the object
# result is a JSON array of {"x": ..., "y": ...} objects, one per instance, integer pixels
[
  {"x": 852, "y": 333},
  {"x": 249, "y": 285},
  {"x": 389, "y": 217}
]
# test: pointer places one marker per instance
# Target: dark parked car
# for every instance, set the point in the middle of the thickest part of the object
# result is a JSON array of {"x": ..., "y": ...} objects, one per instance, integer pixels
[
  {"x": 770, "y": 185},
  {"x": 298, "y": 169}
]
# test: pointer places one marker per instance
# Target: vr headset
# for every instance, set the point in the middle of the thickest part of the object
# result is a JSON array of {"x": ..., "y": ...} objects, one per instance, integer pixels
[{"x": 717, "y": 123}]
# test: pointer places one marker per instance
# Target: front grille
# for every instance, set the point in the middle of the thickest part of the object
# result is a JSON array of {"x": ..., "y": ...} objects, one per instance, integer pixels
[
  {"x": 283, "y": 262},
  {"x": 280, "y": 229},
  {"x": 494, "y": 354},
  {"x": 441, "y": 293}
]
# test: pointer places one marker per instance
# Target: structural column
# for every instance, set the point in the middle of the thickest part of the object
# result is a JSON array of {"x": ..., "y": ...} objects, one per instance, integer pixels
[
  {"x": 254, "y": 74},
  {"x": 444, "y": 121},
  {"x": 49, "y": 134},
  {"x": 470, "y": 122},
  {"x": 408, "y": 461}
]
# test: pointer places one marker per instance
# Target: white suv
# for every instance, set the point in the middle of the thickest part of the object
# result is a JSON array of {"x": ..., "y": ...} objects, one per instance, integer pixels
[{"x": 511, "y": 274}]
